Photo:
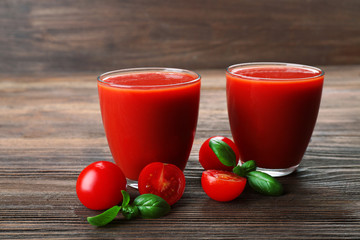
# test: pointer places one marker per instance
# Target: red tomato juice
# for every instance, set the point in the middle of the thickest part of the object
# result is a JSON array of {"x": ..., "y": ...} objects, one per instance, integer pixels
[
  {"x": 149, "y": 117},
  {"x": 272, "y": 112}
]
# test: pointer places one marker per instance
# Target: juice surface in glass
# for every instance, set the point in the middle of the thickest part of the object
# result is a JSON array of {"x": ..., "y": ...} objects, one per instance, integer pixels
[
  {"x": 149, "y": 115},
  {"x": 272, "y": 110}
]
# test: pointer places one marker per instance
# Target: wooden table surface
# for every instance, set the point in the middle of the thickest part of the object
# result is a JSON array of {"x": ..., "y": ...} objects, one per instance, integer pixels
[{"x": 50, "y": 129}]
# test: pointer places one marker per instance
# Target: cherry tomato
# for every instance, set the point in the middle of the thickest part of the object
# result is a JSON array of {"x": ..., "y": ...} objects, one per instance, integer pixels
[
  {"x": 221, "y": 185},
  {"x": 162, "y": 179},
  {"x": 209, "y": 160},
  {"x": 99, "y": 185}
]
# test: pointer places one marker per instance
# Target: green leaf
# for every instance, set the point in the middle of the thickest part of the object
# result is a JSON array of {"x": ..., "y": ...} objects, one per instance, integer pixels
[
  {"x": 238, "y": 170},
  {"x": 264, "y": 183},
  {"x": 223, "y": 151},
  {"x": 249, "y": 166},
  {"x": 151, "y": 206},
  {"x": 245, "y": 168},
  {"x": 130, "y": 211},
  {"x": 126, "y": 198},
  {"x": 105, "y": 217}
]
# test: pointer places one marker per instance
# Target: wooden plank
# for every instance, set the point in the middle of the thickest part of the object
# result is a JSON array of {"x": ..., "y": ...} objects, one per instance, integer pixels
[
  {"x": 50, "y": 129},
  {"x": 95, "y": 35}
]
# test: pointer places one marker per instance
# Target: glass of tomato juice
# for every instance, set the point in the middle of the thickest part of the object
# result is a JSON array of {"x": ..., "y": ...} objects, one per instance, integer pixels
[
  {"x": 272, "y": 110},
  {"x": 149, "y": 115}
]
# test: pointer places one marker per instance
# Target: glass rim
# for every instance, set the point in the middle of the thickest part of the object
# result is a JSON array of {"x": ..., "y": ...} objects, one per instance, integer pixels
[
  {"x": 252, "y": 64},
  {"x": 102, "y": 77}
]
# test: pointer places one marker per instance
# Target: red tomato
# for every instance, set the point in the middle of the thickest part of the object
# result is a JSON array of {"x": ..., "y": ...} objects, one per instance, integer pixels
[
  {"x": 162, "y": 179},
  {"x": 222, "y": 186},
  {"x": 209, "y": 160},
  {"x": 99, "y": 185}
]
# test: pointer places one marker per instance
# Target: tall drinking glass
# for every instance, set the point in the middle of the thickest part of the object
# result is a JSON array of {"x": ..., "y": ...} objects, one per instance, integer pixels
[
  {"x": 272, "y": 110},
  {"x": 149, "y": 115}
]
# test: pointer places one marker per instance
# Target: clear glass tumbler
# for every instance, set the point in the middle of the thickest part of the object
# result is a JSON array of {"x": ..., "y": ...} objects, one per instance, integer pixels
[
  {"x": 272, "y": 110},
  {"x": 149, "y": 115}
]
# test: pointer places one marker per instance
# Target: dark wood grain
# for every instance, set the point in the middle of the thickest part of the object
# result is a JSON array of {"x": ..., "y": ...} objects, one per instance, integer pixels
[
  {"x": 97, "y": 35},
  {"x": 50, "y": 129}
]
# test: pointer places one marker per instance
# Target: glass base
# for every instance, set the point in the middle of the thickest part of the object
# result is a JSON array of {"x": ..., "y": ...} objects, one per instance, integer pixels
[
  {"x": 132, "y": 183},
  {"x": 277, "y": 172}
]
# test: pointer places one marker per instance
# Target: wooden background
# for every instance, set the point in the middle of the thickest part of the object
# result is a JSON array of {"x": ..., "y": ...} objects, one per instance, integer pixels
[
  {"x": 50, "y": 129},
  {"x": 53, "y": 36}
]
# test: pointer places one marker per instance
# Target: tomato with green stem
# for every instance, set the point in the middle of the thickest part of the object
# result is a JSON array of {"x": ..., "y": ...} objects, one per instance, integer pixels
[
  {"x": 221, "y": 185},
  {"x": 99, "y": 185},
  {"x": 162, "y": 179}
]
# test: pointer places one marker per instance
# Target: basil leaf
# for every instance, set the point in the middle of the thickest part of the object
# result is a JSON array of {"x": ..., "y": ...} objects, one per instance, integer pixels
[
  {"x": 105, "y": 217},
  {"x": 264, "y": 183},
  {"x": 249, "y": 166},
  {"x": 151, "y": 206},
  {"x": 126, "y": 198},
  {"x": 130, "y": 211},
  {"x": 223, "y": 151},
  {"x": 245, "y": 168},
  {"x": 238, "y": 170}
]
